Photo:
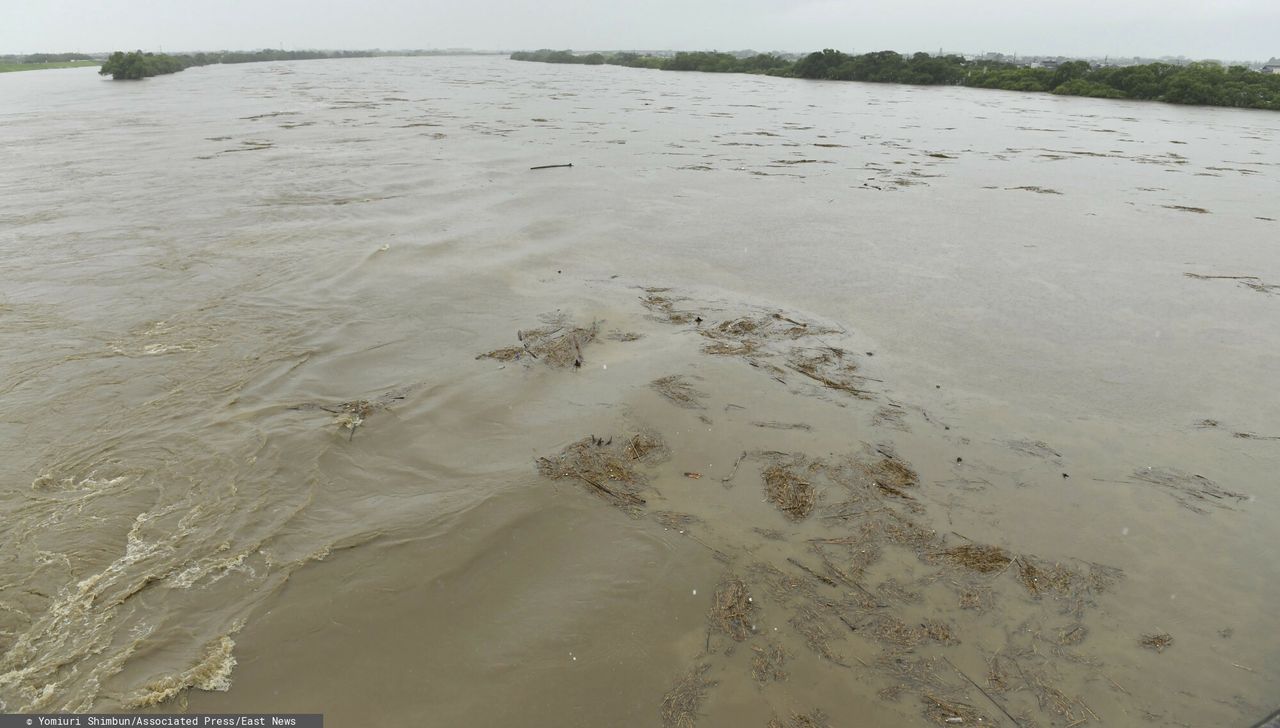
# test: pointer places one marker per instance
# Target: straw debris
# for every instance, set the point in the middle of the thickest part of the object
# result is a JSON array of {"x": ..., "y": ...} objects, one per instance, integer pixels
[
  {"x": 829, "y": 367},
  {"x": 951, "y": 712},
  {"x": 1158, "y": 642},
  {"x": 792, "y": 494},
  {"x": 558, "y": 344},
  {"x": 981, "y": 558},
  {"x": 679, "y": 392},
  {"x": 664, "y": 307},
  {"x": 768, "y": 662},
  {"x": 1195, "y": 492},
  {"x": 606, "y": 467},
  {"x": 817, "y": 633},
  {"x": 680, "y": 704},
  {"x": 813, "y": 719},
  {"x": 731, "y": 609}
]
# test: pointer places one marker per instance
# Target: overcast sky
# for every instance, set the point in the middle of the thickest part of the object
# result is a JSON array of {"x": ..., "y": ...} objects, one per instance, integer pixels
[{"x": 1223, "y": 29}]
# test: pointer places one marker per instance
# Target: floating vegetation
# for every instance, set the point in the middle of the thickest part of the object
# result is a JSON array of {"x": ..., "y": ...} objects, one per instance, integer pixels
[
  {"x": 813, "y": 719},
  {"x": 607, "y": 467},
  {"x": 981, "y": 558},
  {"x": 951, "y": 712},
  {"x": 792, "y": 494},
  {"x": 557, "y": 345},
  {"x": 1195, "y": 492},
  {"x": 875, "y": 558},
  {"x": 675, "y": 521},
  {"x": 1034, "y": 448},
  {"x": 664, "y": 308},
  {"x": 1037, "y": 190},
  {"x": 680, "y": 704},
  {"x": 731, "y": 609},
  {"x": 817, "y": 632},
  {"x": 761, "y": 338},
  {"x": 783, "y": 426},
  {"x": 768, "y": 662},
  {"x": 890, "y": 416},
  {"x": 828, "y": 367},
  {"x": 351, "y": 415},
  {"x": 1072, "y": 634},
  {"x": 1251, "y": 282},
  {"x": 1158, "y": 642},
  {"x": 894, "y": 631},
  {"x": 678, "y": 391},
  {"x": 1184, "y": 208}
]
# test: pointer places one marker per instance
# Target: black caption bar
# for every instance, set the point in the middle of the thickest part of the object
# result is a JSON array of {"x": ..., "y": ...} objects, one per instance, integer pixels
[{"x": 163, "y": 720}]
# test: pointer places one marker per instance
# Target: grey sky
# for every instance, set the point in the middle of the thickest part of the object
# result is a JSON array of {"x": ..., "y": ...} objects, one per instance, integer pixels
[{"x": 1224, "y": 29}]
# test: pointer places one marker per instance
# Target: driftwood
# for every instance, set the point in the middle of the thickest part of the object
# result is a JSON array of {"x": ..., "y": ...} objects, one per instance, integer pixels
[{"x": 553, "y": 166}]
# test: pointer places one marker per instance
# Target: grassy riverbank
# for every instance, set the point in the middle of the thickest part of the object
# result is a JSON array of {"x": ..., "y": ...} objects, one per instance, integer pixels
[{"x": 14, "y": 67}]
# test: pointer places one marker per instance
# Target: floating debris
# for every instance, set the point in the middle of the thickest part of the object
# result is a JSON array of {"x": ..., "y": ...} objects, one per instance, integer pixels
[
  {"x": 353, "y": 415},
  {"x": 1038, "y": 190},
  {"x": 952, "y": 712},
  {"x": 607, "y": 467},
  {"x": 814, "y": 719},
  {"x": 557, "y": 345},
  {"x": 678, "y": 391},
  {"x": 981, "y": 558},
  {"x": 731, "y": 609},
  {"x": 1251, "y": 282},
  {"x": 792, "y": 494},
  {"x": 680, "y": 704},
  {"x": 1158, "y": 642},
  {"x": 1195, "y": 492},
  {"x": 783, "y": 426},
  {"x": 1034, "y": 448},
  {"x": 768, "y": 662}
]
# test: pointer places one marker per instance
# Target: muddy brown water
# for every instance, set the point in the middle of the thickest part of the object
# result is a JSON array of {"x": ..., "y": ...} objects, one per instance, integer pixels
[{"x": 200, "y": 270}]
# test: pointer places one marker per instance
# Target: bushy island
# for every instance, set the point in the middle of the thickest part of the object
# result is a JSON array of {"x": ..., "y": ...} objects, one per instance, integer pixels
[
  {"x": 136, "y": 65},
  {"x": 1204, "y": 83}
]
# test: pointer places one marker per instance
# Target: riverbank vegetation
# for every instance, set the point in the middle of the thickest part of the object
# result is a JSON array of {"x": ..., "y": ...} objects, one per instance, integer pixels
[
  {"x": 12, "y": 67},
  {"x": 1203, "y": 83},
  {"x": 41, "y": 61},
  {"x": 137, "y": 65}
]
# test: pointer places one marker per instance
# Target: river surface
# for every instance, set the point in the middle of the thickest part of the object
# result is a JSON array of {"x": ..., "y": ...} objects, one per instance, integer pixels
[{"x": 252, "y": 461}]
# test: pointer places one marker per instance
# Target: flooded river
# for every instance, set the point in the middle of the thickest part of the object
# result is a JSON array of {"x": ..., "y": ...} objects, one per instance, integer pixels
[{"x": 965, "y": 404}]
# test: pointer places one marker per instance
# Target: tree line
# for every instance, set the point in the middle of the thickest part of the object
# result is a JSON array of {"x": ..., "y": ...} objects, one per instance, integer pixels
[
  {"x": 1203, "y": 83},
  {"x": 136, "y": 64}
]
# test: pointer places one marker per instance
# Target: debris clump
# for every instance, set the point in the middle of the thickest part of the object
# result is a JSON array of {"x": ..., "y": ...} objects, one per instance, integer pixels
[
  {"x": 981, "y": 558},
  {"x": 731, "y": 609},
  {"x": 1158, "y": 642},
  {"x": 607, "y": 467},
  {"x": 679, "y": 391},
  {"x": 680, "y": 704},
  {"x": 768, "y": 662},
  {"x": 792, "y": 494},
  {"x": 1195, "y": 492},
  {"x": 558, "y": 344}
]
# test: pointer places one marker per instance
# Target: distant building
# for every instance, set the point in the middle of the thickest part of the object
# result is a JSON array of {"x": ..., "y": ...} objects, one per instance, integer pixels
[{"x": 1273, "y": 66}]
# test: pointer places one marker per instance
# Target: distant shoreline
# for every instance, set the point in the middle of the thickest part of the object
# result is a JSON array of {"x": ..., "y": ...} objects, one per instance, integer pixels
[
  {"x": 1195, "y": 84},
  {"x": 17, "y": 67}
]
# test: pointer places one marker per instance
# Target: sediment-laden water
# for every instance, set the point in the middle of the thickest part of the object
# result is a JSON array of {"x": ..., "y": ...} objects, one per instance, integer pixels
[{"x": 816, "y": 403}]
